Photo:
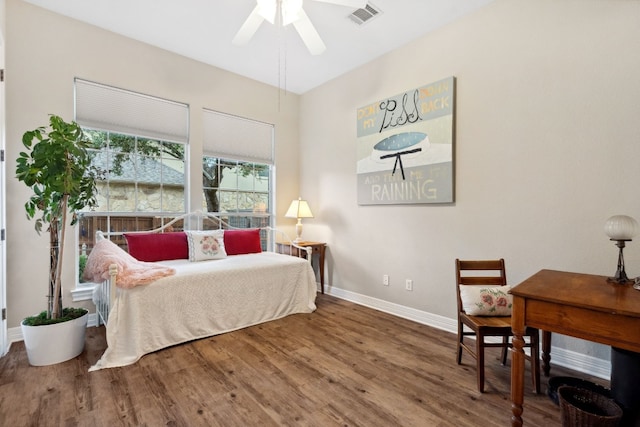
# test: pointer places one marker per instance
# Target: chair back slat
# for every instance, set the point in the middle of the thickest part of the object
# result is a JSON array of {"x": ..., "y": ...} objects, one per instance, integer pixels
[
  {"x": 477, "y": 280},
  {"x": 491, "y": 264}
]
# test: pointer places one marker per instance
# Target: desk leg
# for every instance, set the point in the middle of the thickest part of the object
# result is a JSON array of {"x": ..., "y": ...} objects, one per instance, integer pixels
[
  {"x": 546, "y": 352},
  {"x": 517, "y": 361}
]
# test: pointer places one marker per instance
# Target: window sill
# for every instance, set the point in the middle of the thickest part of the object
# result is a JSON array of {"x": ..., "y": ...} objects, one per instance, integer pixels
[{"x": 83, "y": 292}]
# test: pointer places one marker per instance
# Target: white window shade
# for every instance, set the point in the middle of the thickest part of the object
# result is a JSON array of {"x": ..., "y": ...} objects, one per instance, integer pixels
[
  {"x": 111, "y": 109},
  {"x": 234, "y": 137}
]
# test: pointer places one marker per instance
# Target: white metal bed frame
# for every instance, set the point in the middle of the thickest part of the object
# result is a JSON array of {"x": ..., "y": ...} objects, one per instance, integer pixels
[{"x": 108, "y": 287}]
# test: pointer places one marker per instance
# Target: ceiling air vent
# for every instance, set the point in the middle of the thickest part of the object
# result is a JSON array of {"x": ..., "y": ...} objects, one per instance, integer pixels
[{"x": 361, "y": 16}]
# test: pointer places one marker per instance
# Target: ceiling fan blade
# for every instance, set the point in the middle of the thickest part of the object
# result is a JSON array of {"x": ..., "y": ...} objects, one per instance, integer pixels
[
  {"x": 249, "y": 27},
  {"x": 309, "y": 35},
  {"x": 357, "y": 4}
]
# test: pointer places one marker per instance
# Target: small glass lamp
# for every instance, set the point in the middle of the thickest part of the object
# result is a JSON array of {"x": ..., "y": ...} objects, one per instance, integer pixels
[
  {"x": 299, "y": 209},
  {"x": 620, "y": 229}
]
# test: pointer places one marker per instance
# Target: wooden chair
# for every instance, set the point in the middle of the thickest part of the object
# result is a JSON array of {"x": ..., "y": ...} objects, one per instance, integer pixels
[{"x": 489, "y": 273}]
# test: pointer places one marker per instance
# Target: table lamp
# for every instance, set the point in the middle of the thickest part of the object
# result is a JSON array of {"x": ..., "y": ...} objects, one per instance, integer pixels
[
  {"x": 620, "y": 229},
  {"x": 299, "y": 209}
]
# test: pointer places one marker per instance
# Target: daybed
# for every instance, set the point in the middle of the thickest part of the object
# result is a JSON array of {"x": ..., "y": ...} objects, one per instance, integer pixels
[{"x": 230, "y": 289}]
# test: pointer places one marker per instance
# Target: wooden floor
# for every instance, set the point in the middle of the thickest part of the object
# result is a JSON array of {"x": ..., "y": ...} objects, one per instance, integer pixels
[{"x": 343, "y": 365}]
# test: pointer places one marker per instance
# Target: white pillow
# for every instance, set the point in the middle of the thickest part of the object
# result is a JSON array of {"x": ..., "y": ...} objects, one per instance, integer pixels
[
  {"x": 205, "y": 245},
  {"x": 486, "y": 300}
]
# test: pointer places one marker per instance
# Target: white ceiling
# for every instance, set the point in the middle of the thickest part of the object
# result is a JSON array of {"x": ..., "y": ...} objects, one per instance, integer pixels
[{"x": 203, "y": 30}]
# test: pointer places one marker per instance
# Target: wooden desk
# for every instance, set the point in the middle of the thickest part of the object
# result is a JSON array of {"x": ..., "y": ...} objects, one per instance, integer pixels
[
  {"x": 579, "y": 305},
  {"x": 317, "y": 248}
]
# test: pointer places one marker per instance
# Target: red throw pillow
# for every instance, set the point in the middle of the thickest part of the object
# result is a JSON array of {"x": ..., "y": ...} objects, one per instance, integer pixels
[
  {"x": 158, "y": 246},
  {"x": 238, "y": 242}
]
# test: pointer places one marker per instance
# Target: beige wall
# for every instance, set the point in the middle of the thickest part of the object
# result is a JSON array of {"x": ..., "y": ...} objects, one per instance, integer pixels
[
  {"x": 45, "y": 52},
  {"x": 547, "y": 148}
]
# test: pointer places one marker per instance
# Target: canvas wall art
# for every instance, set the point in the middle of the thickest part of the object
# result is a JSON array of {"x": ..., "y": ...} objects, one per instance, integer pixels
[{"x": 405, "y": 147}]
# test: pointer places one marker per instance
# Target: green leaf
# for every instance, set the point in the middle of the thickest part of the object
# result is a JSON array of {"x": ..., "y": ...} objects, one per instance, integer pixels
[{"x": 54, "y": 165}]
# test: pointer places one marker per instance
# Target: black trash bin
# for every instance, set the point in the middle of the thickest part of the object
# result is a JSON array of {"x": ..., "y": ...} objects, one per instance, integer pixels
[{"x": 586, "y": 408}]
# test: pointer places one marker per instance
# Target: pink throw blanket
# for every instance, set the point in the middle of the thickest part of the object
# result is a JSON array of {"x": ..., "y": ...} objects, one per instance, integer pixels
[{"x": 131, "y": 272}]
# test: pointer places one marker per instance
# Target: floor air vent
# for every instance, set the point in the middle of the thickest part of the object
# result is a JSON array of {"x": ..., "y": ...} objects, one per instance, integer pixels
[{"x": 361, "y": 16}]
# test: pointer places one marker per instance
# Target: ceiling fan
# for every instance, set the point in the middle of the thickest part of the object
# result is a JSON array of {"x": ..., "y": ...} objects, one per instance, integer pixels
[{"x": 285, "y": 12}]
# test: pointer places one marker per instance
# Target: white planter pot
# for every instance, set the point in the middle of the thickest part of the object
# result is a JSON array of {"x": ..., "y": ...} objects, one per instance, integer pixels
[{"x": 50, "y": 344}]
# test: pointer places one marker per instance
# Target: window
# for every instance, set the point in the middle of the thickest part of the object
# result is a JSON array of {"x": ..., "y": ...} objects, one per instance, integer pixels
[
  {"x": 238, "y": 169},
  {"x": 240, "y": 191},
  {"x": 144, "y": 182},
  {"x": 140, "y": 141}
]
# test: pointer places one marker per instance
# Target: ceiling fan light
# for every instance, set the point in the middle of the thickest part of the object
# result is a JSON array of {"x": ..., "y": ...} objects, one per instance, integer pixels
[
  {"x": 291, "y": 11},
  {"x": 267, "y": 9}
]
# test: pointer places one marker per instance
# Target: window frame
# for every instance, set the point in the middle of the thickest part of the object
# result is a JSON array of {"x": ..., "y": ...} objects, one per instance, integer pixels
[
  {"x": 83, "y": 290},
  {"x": 268, "y": 213}
]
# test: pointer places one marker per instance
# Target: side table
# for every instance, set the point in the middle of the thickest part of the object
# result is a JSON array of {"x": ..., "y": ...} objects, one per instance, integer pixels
[{"x": 317, "y": 248}]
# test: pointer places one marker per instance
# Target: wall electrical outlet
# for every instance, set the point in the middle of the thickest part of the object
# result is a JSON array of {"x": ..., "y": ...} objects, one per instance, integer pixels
[
  {"x": 385, "y": 280},
  {"x": 408, "y": 284}
]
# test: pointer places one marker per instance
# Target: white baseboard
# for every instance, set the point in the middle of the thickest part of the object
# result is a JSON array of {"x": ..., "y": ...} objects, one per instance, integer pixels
[
  {"x": 590, "y": 365},
  {"x": 566, "y": 358},
  {"x": 439, "y": 322}
]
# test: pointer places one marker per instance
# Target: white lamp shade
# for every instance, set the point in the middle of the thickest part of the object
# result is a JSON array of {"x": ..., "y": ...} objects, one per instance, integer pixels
[
  {"x": 621, "y": 227},
  {"x": 299, "y": 209}
]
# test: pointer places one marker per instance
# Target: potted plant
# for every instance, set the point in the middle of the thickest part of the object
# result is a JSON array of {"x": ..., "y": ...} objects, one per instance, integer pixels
[{"x": 57, "y": 168}]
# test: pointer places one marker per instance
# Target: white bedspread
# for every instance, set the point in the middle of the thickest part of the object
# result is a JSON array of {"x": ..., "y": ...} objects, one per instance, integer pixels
[{"x": 242, "y": 290}]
